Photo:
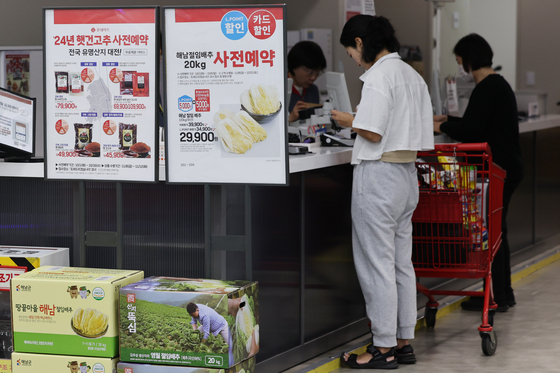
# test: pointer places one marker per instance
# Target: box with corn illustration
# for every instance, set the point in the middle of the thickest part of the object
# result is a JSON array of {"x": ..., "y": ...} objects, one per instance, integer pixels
[
  {"x": 189, "y": 322},
  {"x": 68, "y": 310}
]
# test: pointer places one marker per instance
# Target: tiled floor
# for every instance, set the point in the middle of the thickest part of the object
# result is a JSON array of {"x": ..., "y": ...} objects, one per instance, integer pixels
[{"x": 528, "y": 335}]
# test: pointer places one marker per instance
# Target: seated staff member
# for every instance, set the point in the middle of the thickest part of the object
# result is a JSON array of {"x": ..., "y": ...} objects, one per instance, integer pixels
[{"x": 306, "y": 63}]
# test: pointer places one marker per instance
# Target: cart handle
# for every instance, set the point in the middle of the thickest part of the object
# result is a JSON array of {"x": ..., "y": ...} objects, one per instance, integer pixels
[{"x": 474, "y": 147}]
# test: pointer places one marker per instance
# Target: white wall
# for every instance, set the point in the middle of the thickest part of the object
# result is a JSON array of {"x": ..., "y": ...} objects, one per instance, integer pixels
[
  {"x": 494, "y": 20},
  {"x": 537, "y": 48}
]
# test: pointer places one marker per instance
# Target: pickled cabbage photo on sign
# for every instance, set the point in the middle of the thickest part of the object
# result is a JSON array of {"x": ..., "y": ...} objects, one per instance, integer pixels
[
  {"x": 239, "y": 131},
  {"x": 261, "y": 102}
]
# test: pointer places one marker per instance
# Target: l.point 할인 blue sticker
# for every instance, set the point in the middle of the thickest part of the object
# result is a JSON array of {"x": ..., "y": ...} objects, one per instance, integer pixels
[{"x": 234, "y": 25}]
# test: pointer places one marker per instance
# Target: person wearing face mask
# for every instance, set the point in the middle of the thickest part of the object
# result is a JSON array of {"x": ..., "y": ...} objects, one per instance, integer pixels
[
  {"x": 466, "y": 76},
  {"x": 306, "y": 62},
  {"x": 393, "y": 122},
  {"x": 490, "y": 116}
]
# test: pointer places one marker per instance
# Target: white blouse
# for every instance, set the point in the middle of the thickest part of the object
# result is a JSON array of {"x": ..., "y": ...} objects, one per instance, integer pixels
[{"x": 395, "y": 104}]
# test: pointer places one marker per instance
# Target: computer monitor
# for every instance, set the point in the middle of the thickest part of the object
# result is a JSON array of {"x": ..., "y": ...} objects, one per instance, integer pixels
[
  {"x": 17, "y": 125},
  {"x": 338, "y": 91}
]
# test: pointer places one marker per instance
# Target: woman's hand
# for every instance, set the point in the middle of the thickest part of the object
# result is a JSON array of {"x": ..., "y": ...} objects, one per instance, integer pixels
[
  {"x": 294, "y": 115},
  {"x": 346, "y": 120},
  {"x": 343, "y": 119},
  {"x": 438, "y": 120}
]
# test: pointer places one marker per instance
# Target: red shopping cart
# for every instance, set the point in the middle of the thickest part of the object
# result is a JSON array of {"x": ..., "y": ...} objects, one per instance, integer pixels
[{"x": 457, "y": 225}]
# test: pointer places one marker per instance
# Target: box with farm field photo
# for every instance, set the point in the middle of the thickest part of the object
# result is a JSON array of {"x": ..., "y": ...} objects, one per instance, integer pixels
[
  {"x": 246, "y": 366},
  {"x": 189, "y": 322}
]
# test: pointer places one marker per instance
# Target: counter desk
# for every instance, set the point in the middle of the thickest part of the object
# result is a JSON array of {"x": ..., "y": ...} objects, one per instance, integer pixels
[
  {"x": 300, "y": 235},
  {"x": 321, "y": 156}
]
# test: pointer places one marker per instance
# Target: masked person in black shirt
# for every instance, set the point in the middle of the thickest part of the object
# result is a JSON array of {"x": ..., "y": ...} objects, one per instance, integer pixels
[{"x": 490, "y": 116}]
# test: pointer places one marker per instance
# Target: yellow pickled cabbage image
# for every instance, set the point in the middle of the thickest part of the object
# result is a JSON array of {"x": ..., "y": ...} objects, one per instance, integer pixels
[
  {"x": 223, "y": 114},
  {"x": 90, "y": 322},
  {"x": 261, "y": 99},
  {"x": 232, "y": 137},
  {"x": 250, "y": 126},
  {"x": 237, "y": 131}
]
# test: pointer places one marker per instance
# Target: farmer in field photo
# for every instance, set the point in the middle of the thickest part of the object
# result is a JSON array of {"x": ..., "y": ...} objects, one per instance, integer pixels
[{"x": 210, "y": 321}]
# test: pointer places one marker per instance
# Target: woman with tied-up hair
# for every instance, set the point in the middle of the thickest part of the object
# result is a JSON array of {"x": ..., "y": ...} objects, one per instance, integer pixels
[{"x": 393, "y": 121}]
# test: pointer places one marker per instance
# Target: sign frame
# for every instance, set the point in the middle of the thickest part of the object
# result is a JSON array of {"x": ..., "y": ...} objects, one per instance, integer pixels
[
  {"x": 154, "y": 177},
  {"x": 14, "y": 151},
  {"x": 283, "y": 94}
]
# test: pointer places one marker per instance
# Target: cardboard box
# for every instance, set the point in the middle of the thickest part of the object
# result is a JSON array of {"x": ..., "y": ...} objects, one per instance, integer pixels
[
  {"x": 156, "y": 326},
  {"x": 68, "y": 310},
  {"x": 15, "y": 260},
  {"x": 5, "y": 365},
  {"x": 247, "y": 366},
  {"x": 28, "y": 258},
  {"x": 44, "y": 363}
]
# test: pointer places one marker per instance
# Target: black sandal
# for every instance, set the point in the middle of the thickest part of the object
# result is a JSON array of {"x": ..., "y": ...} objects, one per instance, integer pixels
[
  {"x": 405, "y": 355},
  {"x": 378, "y": 361}
]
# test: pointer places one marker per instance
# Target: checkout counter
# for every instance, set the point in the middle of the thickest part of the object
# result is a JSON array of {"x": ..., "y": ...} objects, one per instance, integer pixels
[
  {"x": 300, "y": 235},
  {"x": 303, "y": 256}
]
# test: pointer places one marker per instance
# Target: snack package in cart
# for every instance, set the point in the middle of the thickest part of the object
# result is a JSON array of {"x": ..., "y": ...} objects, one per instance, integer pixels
[{"x": 450, "y": 171}]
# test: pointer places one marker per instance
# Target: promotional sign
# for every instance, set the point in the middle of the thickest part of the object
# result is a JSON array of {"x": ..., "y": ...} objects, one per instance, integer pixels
[
  {"x": 225, "y": 103},
  {"x": 17, "y": 73},
  {"x": 101, "y": 93},
  {"x": 17, "y": 123},
  {"x": 355, "y": 7}
]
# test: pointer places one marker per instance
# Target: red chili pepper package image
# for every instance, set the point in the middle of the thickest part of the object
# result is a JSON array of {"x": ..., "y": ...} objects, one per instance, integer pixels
[
  {"x": 76, "y": 83},
  {"x": 127, "y": 84},
  {"x": 83, "y": 135},
  {"x": 141, "y": 149},
  {"x": 141, "y": 84},
  {"x": 61, "y": 81},
  {"x": 127, "y": 135}
]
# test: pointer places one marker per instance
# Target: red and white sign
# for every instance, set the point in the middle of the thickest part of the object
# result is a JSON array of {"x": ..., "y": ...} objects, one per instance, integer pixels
[
  {"x": 230, "y": 70},
  {"x": 101, "y": 67}
]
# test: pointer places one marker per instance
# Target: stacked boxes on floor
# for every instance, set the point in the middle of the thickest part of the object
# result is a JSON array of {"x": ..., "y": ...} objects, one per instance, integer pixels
[
  {"x": 247, "y": 366},
  {"x": 71, "y": 315},
  {"x": 157, "y": 329},
  {"x": 44, "y": 363},
  {"x": 15, "y": 260}
]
